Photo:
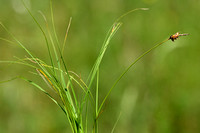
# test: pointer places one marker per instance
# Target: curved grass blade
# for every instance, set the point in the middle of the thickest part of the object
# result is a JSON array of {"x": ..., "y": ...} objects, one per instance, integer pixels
[
  {"x": 96, "y": 67},
  {"x": 134, "y": 62},
  {"x": 62, "y": 59},
  {"x": 65, "y": 95},
  {"x": 37, "y": 86},
  {"x": 45, "y": 37},
  {"x": 125, "y": 14},
  {"x": 21, "y": 45},
  {"x": 21, "y": 63},
  {"x": 40, "y": 88},
  {"x": 66, "y": 35},
  {"x": 4, "y": 81},
  {"x": 110, "y": 31},
  {"x": 6, "y": 40},
  {"x": 102, "y": 52}
]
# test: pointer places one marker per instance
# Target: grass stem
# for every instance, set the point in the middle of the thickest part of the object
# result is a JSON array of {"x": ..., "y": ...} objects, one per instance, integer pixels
[{"x": 134, "y": 62}]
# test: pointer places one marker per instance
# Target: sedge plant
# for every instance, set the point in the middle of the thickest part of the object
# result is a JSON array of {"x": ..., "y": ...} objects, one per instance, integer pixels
[{"x": 64, "y": 82}]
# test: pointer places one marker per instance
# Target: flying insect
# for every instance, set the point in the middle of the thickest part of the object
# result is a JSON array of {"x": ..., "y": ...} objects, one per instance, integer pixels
[{"x": 175, "y": 36}]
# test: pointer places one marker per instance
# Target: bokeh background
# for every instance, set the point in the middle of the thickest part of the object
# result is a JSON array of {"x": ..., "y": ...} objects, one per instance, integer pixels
[{"x": 159, "y": 95}]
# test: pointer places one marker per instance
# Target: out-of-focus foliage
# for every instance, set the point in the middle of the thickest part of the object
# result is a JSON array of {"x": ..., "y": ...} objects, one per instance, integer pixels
[{"x": 159, "y": 95}]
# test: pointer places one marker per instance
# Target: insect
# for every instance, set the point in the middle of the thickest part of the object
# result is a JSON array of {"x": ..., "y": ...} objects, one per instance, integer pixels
[{"x": 175, "y": 36}]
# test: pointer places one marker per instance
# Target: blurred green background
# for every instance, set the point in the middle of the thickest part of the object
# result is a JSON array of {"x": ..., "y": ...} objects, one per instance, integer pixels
[{"x": 159, "y": 95}]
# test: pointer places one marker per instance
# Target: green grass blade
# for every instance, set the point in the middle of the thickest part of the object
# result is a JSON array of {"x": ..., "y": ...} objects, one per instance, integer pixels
[
  {"x": 21, "y": 45},
  {"x": 108, "y": 35},
  {"x": 16, "y": 40},
  {"x": 132, "y": 64},
  {"x": 62, "y": 59},
  {"x": 5, "y": 81},
  {"x": 65, "y": 96},
  {"x": 125, "y": 14},
  {"x": 45, "y": 37},
  {"x": 66, "y": 35},
  {"x": 97, "y": 101},
  {"x": 37, "y": 86},
  {"x": 52, "y": 19},
  {"x": 6, "y": 40},
  {"x": 116, "y": 123},
  {"x": 21, "y": 63},
  {"x": 112, "y": 29},
  {"x": 99, "y": 59},
  {"x": 52, "y": 42}
]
